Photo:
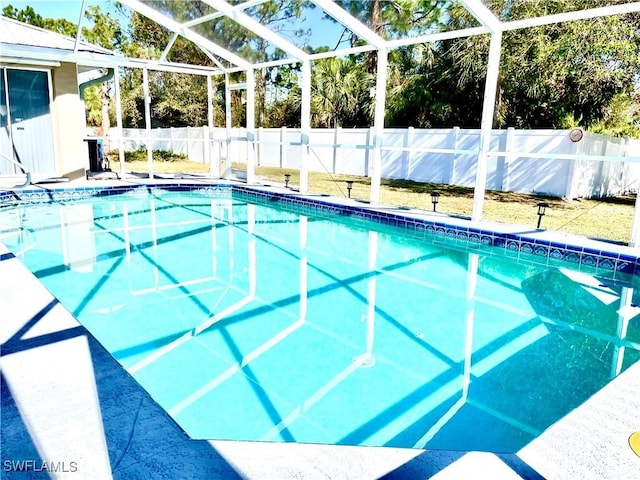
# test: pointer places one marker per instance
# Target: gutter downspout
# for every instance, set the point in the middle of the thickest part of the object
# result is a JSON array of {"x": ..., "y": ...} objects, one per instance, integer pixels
[{"x": 107, "y": 75}]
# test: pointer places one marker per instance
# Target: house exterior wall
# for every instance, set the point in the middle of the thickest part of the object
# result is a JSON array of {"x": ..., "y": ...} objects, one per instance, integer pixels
[{"x": 69, "y": 122}]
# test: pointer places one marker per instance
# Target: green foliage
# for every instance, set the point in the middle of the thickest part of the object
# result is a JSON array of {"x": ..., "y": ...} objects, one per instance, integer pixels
[
  {"x": 105, "y": 29},
  {"x": 28, "y": 15},
  {"x": 341, "y": 94},
  {"x": 392, "y": 19},
  {"x": 549, "y": 73},
  {"x": 621, "y": 117},
  {"x": 581, "y": 73},
  {"x": 149, "y": 40},
  {"x": 93, "y": 105},
  {"x": 140, "y": 155}
]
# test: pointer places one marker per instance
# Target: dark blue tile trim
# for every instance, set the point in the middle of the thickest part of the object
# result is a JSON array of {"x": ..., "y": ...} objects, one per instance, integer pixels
[
  {"x": 512, "y": 244},
  {"x": 6, "y": 256}
]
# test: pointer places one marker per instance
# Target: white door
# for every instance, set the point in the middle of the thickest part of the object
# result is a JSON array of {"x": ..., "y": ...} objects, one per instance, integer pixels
[{"x": 29, "y": 120}]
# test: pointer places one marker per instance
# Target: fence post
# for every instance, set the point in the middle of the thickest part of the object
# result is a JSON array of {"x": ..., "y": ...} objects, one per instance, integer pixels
[
  {"x": 626, "y": 171},
  {"x": 336, "y": 142},
  {"x": 206, "y": 152},
  {"x": 455, "y": 132},
  {"x": 407, "y": 154},
  {"x": 283, "y": 146},
  {"x": 507, "y": 159},
  {"x": 259, "y": 150},
  {"x": 370, "y": 137},
  {"x": 601, "y": 187},
  {"x": 188, "y": 142},
  {"x": 570, "y": 187}
]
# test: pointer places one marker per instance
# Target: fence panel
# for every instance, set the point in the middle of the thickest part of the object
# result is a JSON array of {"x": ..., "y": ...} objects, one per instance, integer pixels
[
  {"x": 322, "y": 154},
  {"x": 432, "y": 166},
  {"x": 292, "y": 150},
  {"x": 509, "y": 168},
  {"x": 539, "y": 175},
  {"x": 351, "y": 160},
  {"x": 395, "y": 162},
  {"x": 269, "y": 151}
]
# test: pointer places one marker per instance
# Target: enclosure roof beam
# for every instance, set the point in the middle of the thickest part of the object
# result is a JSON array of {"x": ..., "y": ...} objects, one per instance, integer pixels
[
  {"x": 79, "y": 26},
  {"x": 437, "y": 37},
  {"x": 258, "y": 28},
  {"x": 214, "y": 15},
  {"x": 352, "y": 23},
  {"x": 571, "y": 16},
  {"x": 212, "y": 58},
  {"x": 172, "y": 40},
  {"x": 174, "y": 26},
  {"x": 109, "y": 61},
  {"x": 483, "y": 14},
  {"x": 345, "y": 51}
]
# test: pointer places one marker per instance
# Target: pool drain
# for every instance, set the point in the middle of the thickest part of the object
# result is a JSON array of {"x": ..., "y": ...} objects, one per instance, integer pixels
[{"x": 366, "y": 360}]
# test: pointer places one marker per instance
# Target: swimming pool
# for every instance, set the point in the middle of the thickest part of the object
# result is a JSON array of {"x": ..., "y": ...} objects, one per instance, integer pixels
[{"x": 266, "y": 317}]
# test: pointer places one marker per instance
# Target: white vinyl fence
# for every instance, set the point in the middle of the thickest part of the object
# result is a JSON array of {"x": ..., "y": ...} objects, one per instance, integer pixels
[{"x": 526, "y": 161}]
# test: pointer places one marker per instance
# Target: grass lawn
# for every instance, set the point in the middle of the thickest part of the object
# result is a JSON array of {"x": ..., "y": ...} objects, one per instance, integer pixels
[
  {"x": 608, "y": 218},
  {"x": 178, "y": 166}
]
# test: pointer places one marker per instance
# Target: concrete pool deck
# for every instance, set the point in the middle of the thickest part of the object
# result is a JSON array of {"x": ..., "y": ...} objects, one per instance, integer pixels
[{"x": 66, "y": 402}]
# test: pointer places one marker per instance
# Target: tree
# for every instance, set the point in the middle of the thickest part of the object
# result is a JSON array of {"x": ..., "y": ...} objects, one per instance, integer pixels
[
  {"x": 574, "y": 73},
  {"x": 391, "y": 19},
  {"x": 551, "y": 75},
  {"x": 340, "y": 94},
  {"x": 177, "y": 99},
  {"x": 105, "y": 31},
  {"x": 276, "y": 15},
  {"x": 621, "y": 118},
  {"x": 284, "y": 107},
  {"x": 28, "y": 15}
]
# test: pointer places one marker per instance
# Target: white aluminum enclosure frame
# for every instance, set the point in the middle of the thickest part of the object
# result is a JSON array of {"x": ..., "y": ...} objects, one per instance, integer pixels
[{"x": 489, "y": 24}]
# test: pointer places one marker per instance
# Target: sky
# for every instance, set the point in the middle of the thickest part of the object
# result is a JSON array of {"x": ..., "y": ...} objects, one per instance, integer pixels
[
  {"x": 69, "y": 9},
  {"x": 323, "y": 31}
]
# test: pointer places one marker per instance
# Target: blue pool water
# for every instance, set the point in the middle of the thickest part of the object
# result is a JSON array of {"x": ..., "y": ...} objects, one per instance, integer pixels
[{"x": 252, "y": 322}]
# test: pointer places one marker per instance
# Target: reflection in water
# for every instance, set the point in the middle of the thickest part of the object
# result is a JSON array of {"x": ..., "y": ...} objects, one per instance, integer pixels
[
  {"x": 246, "y": 321},
  {"x": 625, "y": 313},
  {"x": 77, "y": 236}
]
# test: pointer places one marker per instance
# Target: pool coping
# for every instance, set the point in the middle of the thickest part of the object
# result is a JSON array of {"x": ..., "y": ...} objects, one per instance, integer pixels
[
  {"x": 521, "y": 242},
  {"x": 587, "y": 443}
]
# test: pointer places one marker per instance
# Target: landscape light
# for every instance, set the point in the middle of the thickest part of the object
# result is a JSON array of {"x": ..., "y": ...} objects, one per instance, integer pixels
[
  {"x": 542, "y": 207},
  {"x": 349, "y": 187},
  {"x": 434, "y": 199}
]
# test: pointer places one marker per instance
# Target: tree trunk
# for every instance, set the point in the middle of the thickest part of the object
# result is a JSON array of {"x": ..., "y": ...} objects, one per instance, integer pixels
[
  {"x": 376, "y": 24},
  {"x": 106, "y": 124},
  {"x": 261, "y": 89}
]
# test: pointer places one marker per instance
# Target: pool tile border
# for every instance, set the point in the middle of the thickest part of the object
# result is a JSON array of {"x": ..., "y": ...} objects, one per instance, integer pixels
[
  {"x": 595, "y": 258},
  {"x": 530, "y": 247}
]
